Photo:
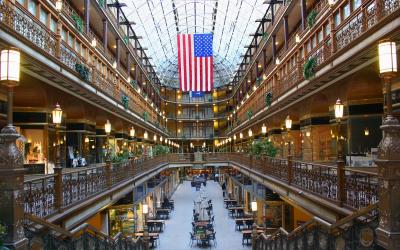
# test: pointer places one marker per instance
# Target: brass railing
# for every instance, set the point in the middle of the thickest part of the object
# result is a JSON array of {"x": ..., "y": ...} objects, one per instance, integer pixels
[
  {"x": 355, "y": 231},
  {"x": 44, "y": 235}
]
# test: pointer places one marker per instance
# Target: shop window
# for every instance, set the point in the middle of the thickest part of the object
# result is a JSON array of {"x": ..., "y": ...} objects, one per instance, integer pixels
[
  {"x": 336, "y": 19},
  {"x": 53, "y": 25},
  {"x": 43, "y": 16},
  {"x": 32, "y": 6},
  {"x": 356, "y": 4},
  {"x": 346, "y": 11},
  {"x": 71, "y": 41}
]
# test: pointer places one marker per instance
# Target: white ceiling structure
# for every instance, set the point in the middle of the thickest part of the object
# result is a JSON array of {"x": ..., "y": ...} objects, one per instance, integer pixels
[{"x": 159, "y": 22}]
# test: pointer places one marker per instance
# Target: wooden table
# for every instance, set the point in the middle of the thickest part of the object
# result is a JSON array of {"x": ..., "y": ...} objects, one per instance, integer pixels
[
  {"x": 259, "y": 231},
  {"x": 201, "y": 223},
  {"x": 229, "y": 203},
  {"x": 244, "y": 219},
  {"x": 233, "y": 210},
  {"x": 150, "y": 234},
  {"x": 160, "y": 223}
]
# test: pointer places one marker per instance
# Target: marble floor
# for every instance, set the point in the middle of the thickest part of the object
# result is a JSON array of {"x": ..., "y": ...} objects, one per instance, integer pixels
[{"x": 176, "y": 234}]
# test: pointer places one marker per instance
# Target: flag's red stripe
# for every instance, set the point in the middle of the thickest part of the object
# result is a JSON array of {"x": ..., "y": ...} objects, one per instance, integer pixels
[
  {"x": 179, "y": 61},
  {"x": 212, "y": 74},
  {"x": 184, "y": 61},
  {"x": 206, "y": 81}
]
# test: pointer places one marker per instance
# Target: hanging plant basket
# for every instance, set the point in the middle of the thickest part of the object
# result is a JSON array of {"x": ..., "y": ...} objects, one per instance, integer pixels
[
  {"x": 312, "y": 18},
  {"x": 78, "y": 22},
  {"x": 125, "y": 101},
  {"x": 83, "y": 71},
  {"x": 134, "y": 84},
  {"x": 265, "y": 36},
  {"x": 309, "y": 68},
  {"x": 145, "y": 116},
  {"x": 268, "y": 99},
  {"x": 249, "y": 114}
]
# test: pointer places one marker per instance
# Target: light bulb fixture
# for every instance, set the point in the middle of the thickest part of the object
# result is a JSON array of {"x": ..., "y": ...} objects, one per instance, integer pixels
[
  {"x": 288, "y": 122},
  {"x": 241, "y": 135},
  {"x": 161, "y": 139},
  {"x": 145, "y": 135},
  {"x": 155, "y": 138},
  {"x": 107, "y": 127},
  {"x": 94, "y": 43},
  {"x": 86, "y": 139},
  {"x": 132, "y": 132},
  {"x": 57, "y": 114},
  {"x": 297, "y": 38},
  {"x": 338, "y": 109},
  {"x": 308, "y": 133},
  {"x": 366, "y": 132},
  {"x": 264, "y": 129},
  {"x": 234, "y": 137}
]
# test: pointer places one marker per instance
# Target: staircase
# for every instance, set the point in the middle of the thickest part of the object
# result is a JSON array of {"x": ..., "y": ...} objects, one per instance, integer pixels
[
  {"x": 356, "y": 231},
  {"x": 44, "y": 235}
]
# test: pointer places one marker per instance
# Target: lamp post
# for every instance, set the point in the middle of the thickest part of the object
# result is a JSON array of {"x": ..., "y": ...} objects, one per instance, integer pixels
[
  {"x": 339, "y": 161},
  {"x": 57, "y": 118},
  {"x": 288, "y": 124},
  {"x": 107, "y": 129},
  {"x": 388, "y": 160},
  {"x": 11, "y": 165},
  {"x": 254, "y": 231}
]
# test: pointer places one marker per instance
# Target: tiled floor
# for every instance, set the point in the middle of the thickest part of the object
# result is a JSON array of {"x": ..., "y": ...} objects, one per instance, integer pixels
[{"x": 176, "y": 234}]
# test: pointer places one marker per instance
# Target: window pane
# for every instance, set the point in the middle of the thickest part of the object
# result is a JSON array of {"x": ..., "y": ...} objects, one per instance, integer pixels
[
  {"x": 32, "y": 7},
  {"x": 337, "y": 19},
  {"x": 64, "y": 34},
  {"x": 356, "y": 4},
  {"x": 53, "y": 25},
  {"x": 43, "y": 16},
  {"x": 22, "y": 2},
  {"x": 320, "y": 36},
  {"x": 346, "y": 11},
  {"x": 327, "y": 29},
  {"x": 70, "y": 41}
]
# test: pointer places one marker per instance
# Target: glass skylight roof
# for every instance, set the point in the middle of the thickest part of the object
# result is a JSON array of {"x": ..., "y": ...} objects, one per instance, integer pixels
[{"x": 159, "y": 21}]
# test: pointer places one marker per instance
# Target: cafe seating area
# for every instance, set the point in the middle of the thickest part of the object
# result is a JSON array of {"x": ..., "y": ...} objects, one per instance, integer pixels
[{"x": 203, "y": 223}]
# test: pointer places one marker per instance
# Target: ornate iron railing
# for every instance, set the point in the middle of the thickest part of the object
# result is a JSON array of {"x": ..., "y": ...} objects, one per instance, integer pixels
[
  {"x": 356, "y": 231},
  {"x": 44, "y": 235}
]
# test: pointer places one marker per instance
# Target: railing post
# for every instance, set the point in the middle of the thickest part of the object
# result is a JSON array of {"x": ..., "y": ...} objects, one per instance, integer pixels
[
  {"x": 132, "y": 166},
  {"x": 290, "y": 169},
  {"x": 12, "y": 189},
  {"x": 341, "y": 182},
  {"x": 108, "y": 173},
  {"x": 254, "y": 237},
  {"x": 58, "y": 193}
]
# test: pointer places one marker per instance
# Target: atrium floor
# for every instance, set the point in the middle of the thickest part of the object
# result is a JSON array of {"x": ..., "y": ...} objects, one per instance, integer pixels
[{"x": 176, "y": 235}]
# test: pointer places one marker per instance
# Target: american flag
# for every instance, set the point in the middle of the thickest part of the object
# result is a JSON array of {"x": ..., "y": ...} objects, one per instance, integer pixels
[{"x": 195, "y": 62}]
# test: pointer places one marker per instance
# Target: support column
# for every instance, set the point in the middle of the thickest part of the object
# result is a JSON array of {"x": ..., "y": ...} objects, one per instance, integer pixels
[
  {"x": 303, "y": 9},
  {"x": 87, "y": 16},
  {"x": 105, "y": 32},
  {"x": 117, "y": 52},
  {"x": 273, "y": 48},
  {"x": 12, "y": 189},
  {"x": 286, "y": 31},
  {"x": 128, "y": 64}
]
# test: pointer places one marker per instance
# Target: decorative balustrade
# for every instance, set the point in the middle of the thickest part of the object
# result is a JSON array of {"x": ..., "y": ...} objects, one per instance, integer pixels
[
  {"x": 358, "y": 23},
  {"x": 355, "y": 231}
]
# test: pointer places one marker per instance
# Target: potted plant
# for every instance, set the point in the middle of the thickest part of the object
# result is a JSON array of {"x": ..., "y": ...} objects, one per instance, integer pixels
[
  {"x": 78, "y": 22},
  {"x": 268, "y": 99},
  {"x": 312, "y": 18},
  {"x": 309, "y": 68},
  {"x": 3, "y": 233}
]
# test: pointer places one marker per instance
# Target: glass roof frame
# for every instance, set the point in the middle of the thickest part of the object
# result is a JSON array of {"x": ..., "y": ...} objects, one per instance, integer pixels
[{"x": 159, "y": 21}]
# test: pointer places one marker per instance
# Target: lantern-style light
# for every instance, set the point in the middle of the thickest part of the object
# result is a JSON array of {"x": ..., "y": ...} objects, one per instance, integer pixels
[
  {"x": 250, "y": 133},
  {"x": 234, "y": 137},
  {"x": 107, "y": 127},
  {"x": 94, "y": 43},
  {"x": 161, "y": 138},
  {"x": 59, "y": 5},
  {"x": 264, "y": 129},
  {"x": 288, "y": 122},
  {"x": 366, "y": 132},
  {"x": 155, "y": 138},
  {"x": 308, "y": 133},
  {"x": 241, "y": 135},
  {"x": 57, "y": 114},
  {"x": 331, "y": 2},
  {"x": 254, "y": 206},
  {"x": 86, "y": 139},
  {"x": 387, "y": 57},
  {"x": 9, "y": 66},
  {"x": 145, "y": 208},
  {"x": 145, "y": 135},
  {"x": 338, "y": 109},
  {"x": 132, "y": 132},
  {"x": 297, "y": 38}
]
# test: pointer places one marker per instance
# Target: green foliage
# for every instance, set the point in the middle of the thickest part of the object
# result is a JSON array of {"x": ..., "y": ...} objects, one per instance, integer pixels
[
  {"x": 258, "y": 81},
  {"x": 249, "y": 114},
  {"x": 160, "y": 150},
  {"x": 134, "y": 84},
  {"x": 121, "y": 156},
  {"x": 268, "y": 99},
  {"x": 78, "y": 22},
  {"x": 125, "y": 101},
  {"x": 145, "y": 116},
  {"x": 3, "y": 232},
  {"x": 311, "y": 18},
  {"x": 309, "y": 68},
  {"x": 265, "y": 35},
  {"x": 260, "y": 148},
  {"x": 101, "y": 3},
  {"x": 83, "y": 71}
]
